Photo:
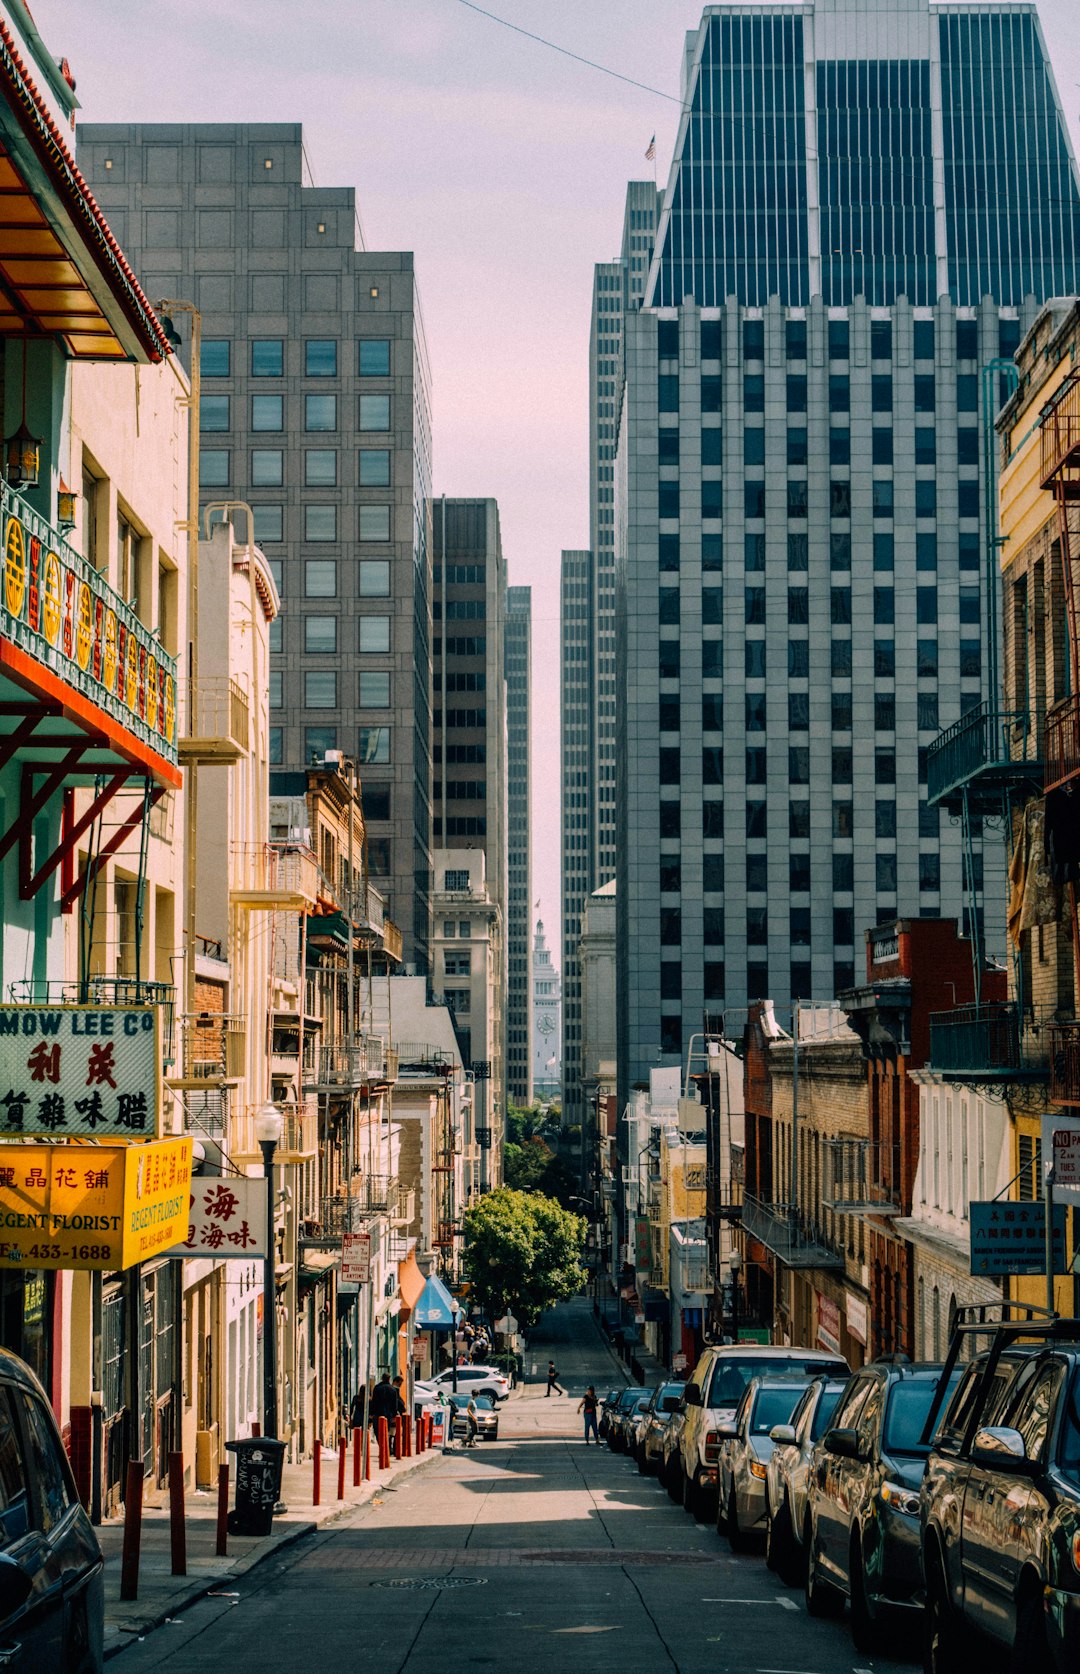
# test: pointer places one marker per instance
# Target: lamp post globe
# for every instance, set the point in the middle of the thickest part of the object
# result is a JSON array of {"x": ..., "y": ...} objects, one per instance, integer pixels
[{"x": 268, "y": 1130}]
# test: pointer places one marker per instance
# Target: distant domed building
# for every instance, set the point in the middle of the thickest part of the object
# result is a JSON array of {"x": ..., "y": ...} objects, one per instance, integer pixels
[{"x": 547, "y": 1020}]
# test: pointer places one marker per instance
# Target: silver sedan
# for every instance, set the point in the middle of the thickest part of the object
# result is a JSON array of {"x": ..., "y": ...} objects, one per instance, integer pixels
[
  {"x": 746, "y": 1447},
  {"x": 786, "y": 1478}
]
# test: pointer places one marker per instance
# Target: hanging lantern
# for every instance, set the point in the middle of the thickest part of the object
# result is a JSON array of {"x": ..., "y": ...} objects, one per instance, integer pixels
[
  {"x": 67, "y": 501},
  {"x": 23, "y": 458}
]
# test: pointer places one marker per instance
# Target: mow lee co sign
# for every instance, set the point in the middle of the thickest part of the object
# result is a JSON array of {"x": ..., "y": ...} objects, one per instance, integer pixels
[
  {"x": 60, "y": 611},
  {"x": 92, "y": 1207},
  {"x": 80, "y": 1072}
]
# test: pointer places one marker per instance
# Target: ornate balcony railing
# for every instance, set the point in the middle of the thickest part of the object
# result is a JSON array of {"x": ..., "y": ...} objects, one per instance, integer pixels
[
  {"x": 861, "y": 1178},
  {"x": 214, "y": 719},
  {"x": 979, "y": 1043},
  {"x": 211, "y": 1046},
  {"x": 981, "y": 753},
  {"x": 337, "y": 1215},
  {"x": 273, "y": 875},
  {"x": 1060, "y": 426},
  {"x": 792, "y": 1236},
  {"x": 1065, "y": 1063},
  {"x": 1062, "y": 748}
]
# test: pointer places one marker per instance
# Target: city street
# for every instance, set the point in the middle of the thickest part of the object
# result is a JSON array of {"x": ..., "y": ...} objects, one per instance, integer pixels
[{"x": 529, "y": 1553}]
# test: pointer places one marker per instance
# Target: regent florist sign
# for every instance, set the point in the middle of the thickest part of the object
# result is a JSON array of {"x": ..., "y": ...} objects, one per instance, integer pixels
[
  {"x": 59, "y": 609},
  {"x": 92, "y": 1206}
]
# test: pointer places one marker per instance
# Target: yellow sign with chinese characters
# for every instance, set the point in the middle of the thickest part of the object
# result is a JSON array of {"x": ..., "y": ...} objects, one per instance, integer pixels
[{"x": 92, "y": 1207}]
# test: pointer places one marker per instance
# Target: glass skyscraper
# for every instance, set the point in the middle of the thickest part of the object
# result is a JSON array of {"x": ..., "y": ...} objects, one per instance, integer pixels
[{"x": 866, "y": 206}]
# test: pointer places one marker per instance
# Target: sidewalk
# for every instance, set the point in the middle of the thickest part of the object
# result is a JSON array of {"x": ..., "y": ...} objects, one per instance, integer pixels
[{"x": 163, "y": 1595}]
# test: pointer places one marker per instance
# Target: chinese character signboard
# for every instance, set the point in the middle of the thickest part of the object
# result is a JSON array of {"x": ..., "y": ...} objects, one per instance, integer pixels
[
  {"x": 92, "y": 1207},
  {"x": 642, "y": 1242},
  {"x": 80, "y": 1072},
  {"x": 1011, "y": 1238},
  {"x": 226, "y": 1219}
]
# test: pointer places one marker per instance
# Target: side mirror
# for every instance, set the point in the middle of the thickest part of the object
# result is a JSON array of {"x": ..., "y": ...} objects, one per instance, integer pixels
[
  {"x": 782, "y": 1434},
  {"x": 692, "y": 1395},
  {"x": 726, "y": 1429},
  {"x": 15, "y": 1586},
  {"x": 1001, "y": 1446},
  {"x": 843, "y": 1444}
]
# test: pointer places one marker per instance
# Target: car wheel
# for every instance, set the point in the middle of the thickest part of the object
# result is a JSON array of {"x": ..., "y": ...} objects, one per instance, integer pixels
[
  {"x": 642, "y": 1462},
  {"x": 736, "y": 1539},
  {"x": 942, "y": 1650},
  {"x": 772, "y": 1539},
  {"x": 822, "y": 1600},
  {"x": 675, "y": 1481},
  {"x": 865, "y": 1631},
  {"x": 1031, "y": 1650},
  {"x": 786, "y": 1551}
]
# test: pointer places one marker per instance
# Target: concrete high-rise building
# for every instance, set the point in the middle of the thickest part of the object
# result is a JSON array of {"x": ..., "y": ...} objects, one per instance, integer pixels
[
  {"x": 575, "y": 722},
  {"x": 518, "y": 657},
  {"x": 802, "y": 592},
  {"x": 315, "y": 409},
  {"x": 469, "y": 747}
]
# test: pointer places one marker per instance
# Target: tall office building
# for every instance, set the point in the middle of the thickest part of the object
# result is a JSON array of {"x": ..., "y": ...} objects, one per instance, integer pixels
[
  {"x": 518, "y": 657},
  {"x": 801, "y": 591},
  {"x": 315, "y": 409},
  {"x": 575, "y": 725},
  {"x": 469, "y": 744}
]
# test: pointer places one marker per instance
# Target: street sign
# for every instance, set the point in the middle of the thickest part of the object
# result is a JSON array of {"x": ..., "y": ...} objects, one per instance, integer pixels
[
  {"x": 92, "y": 1208},
  {"x": 679, "y": 1362},
  {"x": 1011, "y": 1238},
  {"x": 80, "y": 1072},
  {"x": 226, "y": 1220},
  {"x": 1066, "y": 1156},
  {"x": 356, "y": 1258}
]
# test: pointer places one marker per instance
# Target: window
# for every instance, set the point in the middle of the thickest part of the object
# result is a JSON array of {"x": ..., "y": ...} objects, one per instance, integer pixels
[
  {"x": 754, "y": 499},
  {"x": 275, "y": 689},
  {"x": 320, "y": 689},
  {"x": 754, "y": 552},
  {"x": 320, "y": 523},
  {"x": 753, "y": 447},
  {"x": 798, "y": 711},
  {"x": 841, "y": 766},
  {"x": 375, "y": 745},
  {"x": 798, "y": 605},
  {"x": 753, "y": 393},
  {"x": 798, "y": 659},
  {"x": 841, "y": 657},
  {"x": 753, "y": 339},
  {"x": 928, "y": 714},
  {"x": 712, "y": 499},
  {"x": 374, "y": 689},
  {"x": 269, "y": 523},
  {"x": 840, "y": 606},
  {"x": 885, "y": 874},
  {"x": 458, "y": 963},
  {"x": 881, "y": 393},
  {"x": 711, "y": 390},
  {"x": 712, "y": 552},
  {"x": 843, "y": 823},
  {"x": 374, "y": 578},
  {"x": 456, "y": 880},
  {"x": 795, "y": 339},
  {"x": 881, "y": 446},
  {"x": 925, "y": 393},
  {"x": 926, "y": 497},
  {"x": 317, "y": 740},
  {"x": 843, "y": 873},
  {"x": 799, "y": 764},
  {"x": 712, "y": 445},
  {"x": 797, "y": 499},
  {"x": 755, "y": 659},
  {"x": 267, "y": 412},
  {"x": 374, "y": 523},
  {"x": 276, "y": 635},
  {"x": 214, "y": 412},
  {"x": 667, "y": 393},
  {"x": 883, "y": 552},
  {"x": 839, "y": 339},
  {"x": 320, "y": 633},
  {"x": 839, "y": 499},
  {"x": 841, "y": 712},
  {"x": 374, "y": 467},
  {"x": 967, "y": 445},
  {"x": 48, "y": 1474},
  {"x": 884, "y": 606},
  {"x": 214, "y": 357},
  {"x": 275, "y": 745},
  {"x": 883, "y": 498},
  {"x": 320, "y": 468},
  {"x": 320, "y": 412},
  {"x": 374, "y": 633},
  {"x": 756, "y": 766},
  {"x": 756, "y": 819},
  {"x": 926, "y": 658},
  {"x": 925, "y": 445},
  {"x": 373, "y": 357},
  {"x": 884, "y": 819},
  {"x": 926, "y": 605},
  {"x": 755, "y": 605},
  {"x": 459, "y": 1000},
  {"x": 967, "y": 394},
  {"x": 881, "y": 340},
  {"x": 839, "y": 393},
  {"x": 839, "y": 447},
  {"x": 267, "y": 467},
  {"x": 320, "y": 578},
  {"x": 320, "y": 357},
  {"x": 929, "y": 872},
  {"x": 884, "y": 659},
  {"x": 669, "y": 767},
  {"x": 213, "y": 468},
  {"x": 797, "y": 450},
  {"x": 884, "y": 712},
  {"x": 924, "y": 339},
  {"x": 840, "y": 551},
  {"x": 267, "y": 357},
  {"x": 374, "y": 412},
  {"x": 796, "y": 393}
]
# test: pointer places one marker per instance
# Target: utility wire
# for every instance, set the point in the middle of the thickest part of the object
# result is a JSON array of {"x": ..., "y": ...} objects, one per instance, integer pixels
[{"x": 576, "y": 56}]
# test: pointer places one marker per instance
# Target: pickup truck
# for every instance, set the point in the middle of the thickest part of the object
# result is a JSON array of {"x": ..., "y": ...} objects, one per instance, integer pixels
[{"x": 1000, "y": 1502}]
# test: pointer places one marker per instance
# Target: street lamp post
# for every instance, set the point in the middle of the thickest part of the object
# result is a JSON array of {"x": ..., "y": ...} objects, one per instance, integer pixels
[
  {"x": 268, "y": 1130},
  {"x": 734, "y": 1262},
  {"x": 455, "y": 1316}
]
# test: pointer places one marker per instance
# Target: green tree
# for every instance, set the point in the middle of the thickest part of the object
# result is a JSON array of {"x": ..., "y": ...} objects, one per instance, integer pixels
[{"x": 523, "y": 1253}]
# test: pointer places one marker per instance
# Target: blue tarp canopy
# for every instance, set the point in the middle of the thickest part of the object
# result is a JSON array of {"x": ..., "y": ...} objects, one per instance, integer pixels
[{"x": 435, "y": 1308}]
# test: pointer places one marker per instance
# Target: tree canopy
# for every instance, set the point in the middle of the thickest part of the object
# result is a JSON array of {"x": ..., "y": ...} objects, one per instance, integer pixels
[{"x": 523, "y": 1253}]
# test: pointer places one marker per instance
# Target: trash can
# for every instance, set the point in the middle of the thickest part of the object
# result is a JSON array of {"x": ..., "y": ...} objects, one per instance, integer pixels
[{"x": 259, "y": 1463}]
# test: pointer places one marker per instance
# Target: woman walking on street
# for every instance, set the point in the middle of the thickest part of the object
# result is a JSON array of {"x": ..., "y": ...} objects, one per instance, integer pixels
[{"x": 588, "y": 1405}]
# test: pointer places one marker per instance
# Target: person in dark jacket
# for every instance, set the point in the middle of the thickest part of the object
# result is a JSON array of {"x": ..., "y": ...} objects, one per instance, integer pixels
[{"x": 385, "y": 1402}]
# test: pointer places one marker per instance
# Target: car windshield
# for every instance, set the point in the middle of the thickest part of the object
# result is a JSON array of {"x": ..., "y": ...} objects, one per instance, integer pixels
[
  {"x": 1069, "y": 1445},
  {"x": 909, "y": 1404},
  {"x": 825, "y": 1410},
  {"x": 732, "y": 1375},
  {"x": 774, "y": 1406}
]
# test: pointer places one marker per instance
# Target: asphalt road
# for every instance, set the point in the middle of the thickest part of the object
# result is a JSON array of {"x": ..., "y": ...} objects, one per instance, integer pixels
[{"x": 532, "y": 1553}]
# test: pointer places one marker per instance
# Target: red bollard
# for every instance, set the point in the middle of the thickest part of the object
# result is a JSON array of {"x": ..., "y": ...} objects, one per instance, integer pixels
[
  {"x": 384, "y": 1445},
  {"x": 396, "y": 1449},
  {"x": 343, "y": 1448},
  {"x": 357, "y": 1462},
  {"x": 367, "y": 1452},
  {"x": 406, "y": 1437},
  {"x": 256, "y": 1428},
  {"x": 129, "y": 1562},
  {"x": 222, "y": 1547},
  {"x": 177, "y": 1532},
  {"x": 419, "y": 1433},
  {"x": 316, "y": 1488},
  {"x": 429, "y": 1430}
]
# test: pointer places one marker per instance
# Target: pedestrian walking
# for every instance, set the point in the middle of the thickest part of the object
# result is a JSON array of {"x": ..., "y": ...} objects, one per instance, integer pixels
[
  {"x": 588, "y": 1405},
  {"x": 356, "y": 1413},
  {"x": 385, "y": 1402},
  {"x": 473, "y": 1422},
  {"x": 553, "y": 1381}
]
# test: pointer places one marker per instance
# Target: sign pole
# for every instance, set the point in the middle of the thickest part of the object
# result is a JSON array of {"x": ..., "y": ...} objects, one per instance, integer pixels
[{"x": 1050, "y": 1236}]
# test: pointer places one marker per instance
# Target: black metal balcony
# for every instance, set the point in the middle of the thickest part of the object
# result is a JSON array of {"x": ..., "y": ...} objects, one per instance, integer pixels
[
  {"x": 861, "y": 1178},
  {"x": 1062, "y": 749},
  {"x": 1065, "y": 1063},
  {"x": 982, "y": 755},
  {"x": 980, "y": 1044},
  {"x": 792, "y": 1237}
]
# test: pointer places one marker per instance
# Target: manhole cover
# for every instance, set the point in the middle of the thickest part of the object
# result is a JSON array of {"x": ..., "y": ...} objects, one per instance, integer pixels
[{"x": 416, "y": 1584}]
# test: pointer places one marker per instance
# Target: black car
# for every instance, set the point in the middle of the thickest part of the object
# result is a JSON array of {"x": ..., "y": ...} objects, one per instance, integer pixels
[
  {"x": 1000, "y": 1502},
  {"x": 51, "y": 1589},
  {"x": 624, "y": 1406},
  {"x": 861, "y": 1529},
  {"x": 607, "y": 1407}
]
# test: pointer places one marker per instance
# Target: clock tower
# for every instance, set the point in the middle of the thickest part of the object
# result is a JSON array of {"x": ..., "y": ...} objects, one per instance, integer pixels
[{"x": 547, "y": 1019}]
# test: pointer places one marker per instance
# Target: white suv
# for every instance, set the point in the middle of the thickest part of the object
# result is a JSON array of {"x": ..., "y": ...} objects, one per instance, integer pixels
[
  {"x": 472, "y": 1380},
  {"x": 710, "y": 1399}
]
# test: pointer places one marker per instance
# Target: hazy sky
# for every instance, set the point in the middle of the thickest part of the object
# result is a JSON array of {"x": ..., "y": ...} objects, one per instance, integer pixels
[{"x": 503, "y": 165}]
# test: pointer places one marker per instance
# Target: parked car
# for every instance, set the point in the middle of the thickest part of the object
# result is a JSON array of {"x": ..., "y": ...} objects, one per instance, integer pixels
[
  {"x": 861, "y": 1527},
  {"x": 652, "y": 1424},
  {"x": 487, "y": 1416},
  {"x": 745, "y": 1450},
  {"x": 670, "y": 1445},
  {"x": 1000, "y": 1503},
  {"x": 607, "y": 1407},
  {"x": 628, "y": 1399},
  {"x": 52, "y": 1609},
  {"x": 786, "y": 1474},
  {"x": 710, "y": 1399},
  {"x": 627, "y": 1421},
  {"x": 472, "y": 1379}
]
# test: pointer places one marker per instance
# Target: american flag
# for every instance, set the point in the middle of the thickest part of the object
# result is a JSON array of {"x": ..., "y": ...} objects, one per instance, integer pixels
[{"x": 651, "y": 153}]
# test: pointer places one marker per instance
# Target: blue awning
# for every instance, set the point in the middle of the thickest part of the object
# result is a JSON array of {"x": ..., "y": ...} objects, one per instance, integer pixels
[{"x": 435, "y": 1308}]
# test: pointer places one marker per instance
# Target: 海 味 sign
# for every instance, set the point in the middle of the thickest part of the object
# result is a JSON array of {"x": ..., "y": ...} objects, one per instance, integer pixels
[{"x": 80, "y": 1072}]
